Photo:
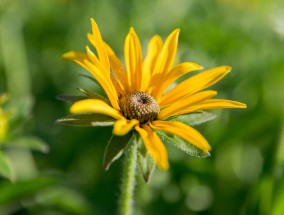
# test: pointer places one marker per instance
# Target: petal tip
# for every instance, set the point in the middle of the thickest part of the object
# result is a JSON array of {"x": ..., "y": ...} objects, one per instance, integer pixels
[
  {"x": 177, "y": 30},
  {"x": 228, "y": 68},
  {"x": 74, "y": 108},
  {"x": 164, "y": 166},
  {"x": 197, "y": 66},
  {"x": 68, "y": 55},
  {"x": 93, "y": 22}
]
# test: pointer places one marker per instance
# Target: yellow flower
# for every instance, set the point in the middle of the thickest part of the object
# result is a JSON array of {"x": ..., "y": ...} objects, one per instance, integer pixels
[
  {"x": 4, "y": 118},
  {"x": 139, "y": 95}
]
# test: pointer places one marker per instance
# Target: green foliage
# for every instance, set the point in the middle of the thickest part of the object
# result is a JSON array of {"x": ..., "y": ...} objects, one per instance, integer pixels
[
  {"x": 29, "y": 142},
  {"x": 195, "y": 118},
  {"x": 87, "y": 120},
  {"x": 116, "y": 147},
  {"x": 181, "y": 144},
  {"x": 11, "y": 192},
  {"x": 146, "y": 163},
  {"x": 5, "y": 167},
  {"x": 244, "y": 175}
]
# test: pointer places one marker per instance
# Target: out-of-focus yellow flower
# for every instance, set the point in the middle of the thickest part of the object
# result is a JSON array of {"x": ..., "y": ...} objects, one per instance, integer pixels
[
  {"x": 137, "y": 96},
  {"x": 4, "y": 119}
]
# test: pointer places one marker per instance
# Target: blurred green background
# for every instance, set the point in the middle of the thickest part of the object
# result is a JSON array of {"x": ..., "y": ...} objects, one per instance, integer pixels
[{"x": 57, "y": 170}]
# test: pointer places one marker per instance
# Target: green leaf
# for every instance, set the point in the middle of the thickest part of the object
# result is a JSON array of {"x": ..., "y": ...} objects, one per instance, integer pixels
[
  {"x": 115, "y": 148},
  {"x": 66, "y": 199},
  {"x": 5, "y": 168},
  {"x": 146, "y": 164},
  {"x": 90, "y": 78},
  {"x": 12, "y": 192},
  {"x": 29, "y": 142},
  {"x": 189, "y": 148},
  {"x": 93, "y": 95},
  {"x": 195, "y": 118},
  {"x": 71, "y": 99},
  {"x": 87, "y": 120}
]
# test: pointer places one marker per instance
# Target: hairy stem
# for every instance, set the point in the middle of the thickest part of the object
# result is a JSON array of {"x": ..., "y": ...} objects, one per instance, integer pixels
[{"x": 128, "y": 181}]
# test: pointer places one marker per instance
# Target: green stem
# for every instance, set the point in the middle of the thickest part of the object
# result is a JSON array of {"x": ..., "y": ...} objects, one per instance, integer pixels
[{"x": 128, "y": 181}]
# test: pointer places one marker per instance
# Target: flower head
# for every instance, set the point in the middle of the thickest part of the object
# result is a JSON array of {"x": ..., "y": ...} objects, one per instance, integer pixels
[{"x": 138, "y": 94}]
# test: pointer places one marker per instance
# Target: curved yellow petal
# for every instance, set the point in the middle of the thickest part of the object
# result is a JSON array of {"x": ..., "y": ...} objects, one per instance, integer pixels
[
  {"x": 117, "y": 68},
  {"x": 154, "y": 146},
  {"x": 123, "y": 126},
  {"x": 174, "y": 74},
  {"x": 165, "y": 60},
  {"x": 105, "y": 82},
  {"x": 95, "y": 106},
  {"x": 93, "y": 58},
  {"x": 97, "y": 42},
  {"x": 77, "y": 57},
  {"x": 184, "y": 131},
  {"x": 115, "y": 81},
  {"x": 133, "y": 60},
  {"x": 212, "y": 104},
  {"x": 153, "y": 50},
  {"x": 181, "y": 104},
  {"x": 99, "y": 74},
  {"x": 195, "y": 84}
]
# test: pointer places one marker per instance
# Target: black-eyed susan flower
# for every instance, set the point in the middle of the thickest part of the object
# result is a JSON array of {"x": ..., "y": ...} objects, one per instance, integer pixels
[{"x": 139, "y": 96}]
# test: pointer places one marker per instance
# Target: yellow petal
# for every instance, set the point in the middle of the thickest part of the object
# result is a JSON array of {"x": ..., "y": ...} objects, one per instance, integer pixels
[
  {"x": 106, "y": 73},
  {"x": 174, "y": 74},
  {"x": 212, "y": 104},
  {"x": 118, "y": 68},
  {"x": 184, "y": 131},
  {"x": 95, "y": 106},
  {"x": 154, "y": 146},
  {"x": 187, "y": 102},
  {"x": 195, "y": 84},
  {"x": 150, "y": 60},
  {"x": 133, "y": 60},
  {"x": 93, "y": 58},
  {"x": 123, "y": 126},
  {"x": 77, "y": 57},
  {"x": 165, "y": 60},
  {"x": 105, "y": 82},
  {"x": 97, "y": 42},
  {"x": 100, "y": 75}
]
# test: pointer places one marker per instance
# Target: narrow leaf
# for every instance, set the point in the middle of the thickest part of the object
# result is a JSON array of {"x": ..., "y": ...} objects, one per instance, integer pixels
[
  {"x": 87, "y": 120},
  {"x": 5, "y": 168},
  {"x": 90, "y": 78},
  {"x": 71, "y": 99},
  {"x": 93, "y": 95},
  {"x": 115, "y": 148},
  {"x": 195, "y": 118},
  {"x": 29, "y": 142},
  {"x": 181, "y": 144}
]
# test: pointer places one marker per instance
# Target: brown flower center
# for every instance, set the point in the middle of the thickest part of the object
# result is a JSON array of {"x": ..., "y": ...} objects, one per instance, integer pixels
[{"x": 140, "y": 106}]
